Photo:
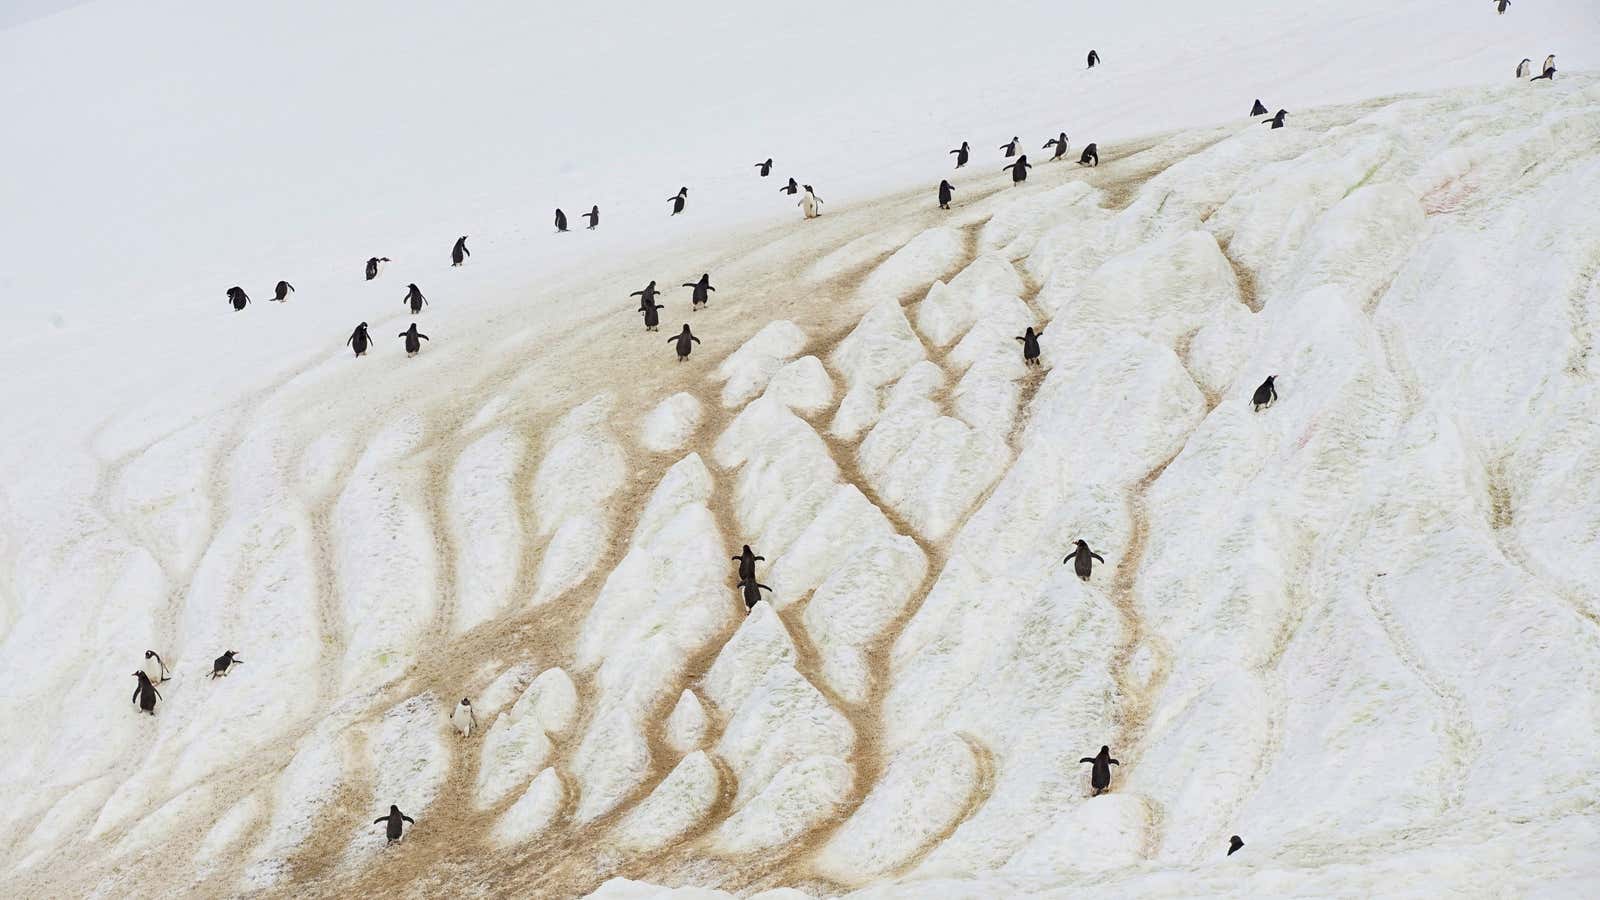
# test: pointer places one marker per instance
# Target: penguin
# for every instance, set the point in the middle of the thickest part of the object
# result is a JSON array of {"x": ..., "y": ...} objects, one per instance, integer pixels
[
  {"x": 646, "y": 296},
  {"x": 752, "y": 592},
  {"x": 1019, "y": 169},
  {"x": 1500, "y": 5},
  {"x": 375, "y": 265},
  {"x": 1550, "y": 63},
  {"x": 282, "y": 291},
  {"x": 1524, "y": 67},
  {"x": 1090, "y": 156},
  {"x": 1265, "y": 395},
  {"x": 1234, "y": 843},
  {"x": 394, "y": 818},
  {"x": 809, "y": 203},
  {"x": 765, "y": 167},
  {"x": 237, "y": 298},
  {"x": 700, "y": 288},
  {"x": 221, "y": 664},
  {"x": 652, "y": 318},
  {"x": 459, "y": 252},
  {"x": 561, "y": 221},
  {"x": 684, "y": 339},
  {"x": 792, "y": 188},
  {"x": 747, "y": 563},
  {"x": 414, "y": 339},
  {"x": 1094, "y": 59},
  {"x": 1011, "y": 148},
  {"x": 1277, "y": 120},
  {"x": 1030, "y": 346},
  {"x": 961, "y": 153},
  {"x": 679, "y": 200},
  {"x": 414, "y": 298},
  {"x": 1549, "y": 70},
  {"x": 593, "y": 216},
  {"x": 1060, "y": 143},
  {"x": 1259, "y": 109},
  {"x": 154, "y": 668},
  {"x": 1100, "y": 776},
  {"x": 945, "y": 191},
  {"x": 1080, "y": 559},
  {"x": 145, "y": 693},
  {"x": 359, "y": 340},
  {"x": 463, "y": 719}
]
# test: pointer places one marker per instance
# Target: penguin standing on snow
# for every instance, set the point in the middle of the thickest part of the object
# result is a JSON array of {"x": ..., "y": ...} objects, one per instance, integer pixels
[
  {"x": 1549, "y": 70},
  {"x": 702, "y": 291},
  {"x": 792, "y": 188},
  {"x": 1011, "y": 148},
  {"x": 1019, "y": 169},
  {"x": 1100, "y": 775},
  {"x": 1094, "y": 59},
  {"x": 1277, "y": 119},
  {"x": 394, "y": 818},
  {"x": 154, "y": 668},
  {"x": 561, "y": 221},
  {"x": 1500, "y": 5},
  {"x": 459, "y": 252},
  {"x": 1234, "y": 843},
  {"x": 747, "y": 564},
  {"x": 809, "y": 203},
  {"x": 463, "y": 719},
  {"x": 375, "y": 265},
  {"x": 752, "y": 592},
  {"x": 237, "y": 298},
  {"x": 593, "y": 216},
  {"x": 652, "y": 314},
  {"x": 946, "y": 190},
  {"x": 281, "y": 292},
  {"x": 679, "y": 200},
  {"x": 1260, "y": 109},
  {"x": 145, "y": 693},
  {"x": 1524, "y": 67},
  {"x": 685, "y": 341},
  {"x": 1080, "y": 559},
  {"x": 1060, "y": 143},
  {"x": 414, "y": 339},
  {"x": 1265, "y": 395},
  {"x": 646, "y": 296},
  {"x": 1030, "y": 346},
  {"x": 961, "y": 153},
  {"x": 222, "y": 663},
  {"x": 414, "y": 298},
  {"x": 359, "y": 340},
  {"x": 1090, "y": 156},
  {"x": 765, "y": 167}
]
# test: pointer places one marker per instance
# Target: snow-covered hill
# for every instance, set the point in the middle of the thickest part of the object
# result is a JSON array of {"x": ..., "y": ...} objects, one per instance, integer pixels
[{"x": 1360, "y": 628}]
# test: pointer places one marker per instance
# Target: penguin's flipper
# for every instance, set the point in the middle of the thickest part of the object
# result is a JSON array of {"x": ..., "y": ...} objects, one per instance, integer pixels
[
  {"x": 409, "y": 819},
  {"x": 158, "y": 693},
  {"x": 1022, "y": 339},
  {"x": 1087, "y": 759},
  {"x": 380, "y": 819},
  {"x": 762, "y": 558},
  {"x": 1098, "y": 556},
  {"x": 693, "y": 338},
  {"x": 135, "y": 694}
]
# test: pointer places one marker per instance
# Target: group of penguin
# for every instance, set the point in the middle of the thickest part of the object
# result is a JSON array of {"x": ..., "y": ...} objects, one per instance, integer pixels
[
  {"x": 154, "y": 671},
  {"x": 1549, "y": 69}
]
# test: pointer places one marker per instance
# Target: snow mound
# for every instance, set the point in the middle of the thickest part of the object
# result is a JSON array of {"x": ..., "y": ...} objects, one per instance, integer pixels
[{"x": 671, "y": 423}]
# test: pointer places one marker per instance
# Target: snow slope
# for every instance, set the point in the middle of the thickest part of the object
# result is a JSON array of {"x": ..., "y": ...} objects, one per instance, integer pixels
[{"x": 1358, "y": 629}]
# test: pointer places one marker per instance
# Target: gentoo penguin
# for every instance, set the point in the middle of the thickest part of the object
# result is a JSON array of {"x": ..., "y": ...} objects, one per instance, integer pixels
[
  {"x": 593, "y": 216},
  {"x": 359, "y": 339},
  {"x": 809, "y": 203},
  {"x": 1011, "y": 148},
  {"x": 220, "y": 665},
  {"x": 1094, "y": 59},
  {"x": 1019, "y": 169},
  {"x": 752, "y": 592},
  {"x": 1549, "y": 70},
  {"x": 375, "y": 265},
  {"x": 652, "y": 317},
  {"x": 463, "y": 719},
  {"x": 1234, "y": 843},
  {"x": 700, "y": 297},
  {"x": 154, "y": 667},
  {"x": 414, "y": 298},
  {"x": 145, "y": 693},
  {"x": 945, "y": 192},
  {"x": 685, "y": 342},
  {"x": 561, "y": 220},
  {"x": 1090, "y": 156},
  {"x": 394, "y": 818},
  {"x": 1524, "y": 67},
  {"x": 1080, "y": 559},
  {"x": 1500, "y": 5},
  {"x": 1277, "y": 120},
  {"x": 1030, "y": 346},
  {"x": 1060, "y": 143},
  {"x": 747, "y": 563},
  {"x": 646, "y": 296},
  {"x": 237, "y": 298},
  {"x": 679, "y": 200},
  {"x": 414, "y": 339},
  {"x": 1265, "y": 395},
  {"x": 282, "y": 291},
  {"x": 1100, "y": 776},
  {"x": 792, "y": 188},
  {"x": 1259, "y": 109},
  {"x": 459, "y": 252},
  {"x": 765, "y": 167},
  {"x": 961, "y": 154}
]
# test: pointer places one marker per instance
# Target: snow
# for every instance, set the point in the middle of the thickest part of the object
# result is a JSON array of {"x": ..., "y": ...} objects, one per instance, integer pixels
[{"x": 671, "y": 423}]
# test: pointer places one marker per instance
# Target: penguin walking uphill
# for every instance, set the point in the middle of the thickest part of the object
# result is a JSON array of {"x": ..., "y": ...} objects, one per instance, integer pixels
[
  {"x": 1265, "y": 395},
  {"x": 1019, "y": 169},
  {"x": 145, "y": 693},
  {"x": 561, "y": 221},
  {"x": 792, "y": 188},
  {"x": 459, "y": 252},
  {"x": 1524, "y": 68},
  {"x": 414, "y": 298},
  {"x": 1100, "y": 775},
  {"x": 237, "y": 298},
  {"x": 1277, "y": 119},
  {"x": 359, "y": 340},
  {"x": 646, "y": 296},
  {"x": 1011, "y": 148},
  {"x": 685, "y": 341},
  {"x": 281, "y": 292},
  {"x": 221, "y": 665},
  {"x": 1060, "y": 143},
  {"x": 765, "y": 167},
  {"x": 1549, "y": 70},
  {"x": 153, "y": 667},
  {"x": 1260, "y": 109},
  {"x": 962, "y": 154},
  {"x": 375, "y": 265},
  {"x": 1080, "y": 558},
  {"x": 702, "y": 291},
  {"x": 810, "y": 202},
  {"x": 751, "y": 592},
  {"x": 1094, "y": 59},
  {"x": 413, "y": 339},
  {"x": 395, "y": 830},
  {"x": 1500, "y": 6},
  {"x": 1030, "y": 346},
  {"x": 652, "y": 314},
  {"x": 747, "y": 560},
  {"x": 946, "y": 191},
  {"x": 463, "y": 719},
  {"x": 593, "y": 216},
  {"x": 679, "y": 200},
  {"x": 1234, "y": 843},
  {"x": 1090, "y": 156}
]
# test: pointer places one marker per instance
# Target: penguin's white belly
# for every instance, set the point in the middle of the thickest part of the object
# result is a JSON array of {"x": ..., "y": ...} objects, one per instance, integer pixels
[
  {"x": 152, "y": 671},
  {"x": 462, "y": 719},
  {"x": 808, "y": 204}
]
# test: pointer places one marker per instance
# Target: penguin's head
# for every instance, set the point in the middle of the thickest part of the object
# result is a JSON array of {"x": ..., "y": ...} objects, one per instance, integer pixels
[
  {"x": 465, "y": 702},
  {"x": 1105, "y": 750},
  {"x": 394, "y": 810},
  {"x": 362, "y": 326},
  {"x": 149, "y": 653},
  {"x": 1270, "y": 378}
]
